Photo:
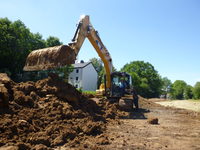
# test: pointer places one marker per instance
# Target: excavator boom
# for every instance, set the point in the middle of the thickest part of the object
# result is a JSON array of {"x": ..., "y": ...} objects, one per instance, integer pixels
[
  {"x": 53, "y": 57},
  {"x": 58, "y": 56}
]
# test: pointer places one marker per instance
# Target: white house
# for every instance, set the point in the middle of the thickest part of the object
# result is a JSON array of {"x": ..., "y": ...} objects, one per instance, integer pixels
[{"x": 84, "y": 76}]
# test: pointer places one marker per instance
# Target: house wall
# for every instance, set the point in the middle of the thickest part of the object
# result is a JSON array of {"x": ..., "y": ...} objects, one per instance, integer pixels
[
  {"x": 89, "y": 78},
  {"x": 72, "y": 78}
]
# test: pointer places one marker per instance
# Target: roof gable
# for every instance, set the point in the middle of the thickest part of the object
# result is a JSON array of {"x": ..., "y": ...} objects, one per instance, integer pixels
[{"x": 81, "y": 65}]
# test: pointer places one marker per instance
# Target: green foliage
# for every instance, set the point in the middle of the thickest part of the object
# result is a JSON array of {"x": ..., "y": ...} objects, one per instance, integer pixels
[
  {"x": 98, "y": 65},
  {"x": 196, "y": 90},
  {"x": 64, "y": 71},
  {"x": 166, "y": 86},
  {"x": 146, "y": 79},
  {"x": 80, "y": 89},
  {"x": 89, "y": 92},
  {"x": 13, "y": 45},
  {"x": 188, "y": 92},
  {"x": 178, "y": 88},
  {"x": 36, "y": 41},
  {"x": 53, "y": 41},
  {"x": 16, "y": 42}
]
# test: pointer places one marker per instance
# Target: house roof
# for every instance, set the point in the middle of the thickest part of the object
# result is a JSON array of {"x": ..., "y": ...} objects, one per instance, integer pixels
[{"x": 81, "y": 65}]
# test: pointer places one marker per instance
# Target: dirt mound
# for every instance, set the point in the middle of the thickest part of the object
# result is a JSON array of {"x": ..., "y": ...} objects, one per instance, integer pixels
[
  {"x": 145, "y": 103},
  {"x": 49, "y": 113},
  {"x": 5, "y": 90}
]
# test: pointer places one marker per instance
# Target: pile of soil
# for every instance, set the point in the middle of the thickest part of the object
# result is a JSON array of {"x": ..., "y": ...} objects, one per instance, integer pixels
[{"x": 50, "y": 113}]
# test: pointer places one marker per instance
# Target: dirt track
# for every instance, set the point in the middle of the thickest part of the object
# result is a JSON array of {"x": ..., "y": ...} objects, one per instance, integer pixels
[
  {"x": 185, "y": 104},
  {"x": 43, "y": 115},
  {"x": 177, "y": 129}
]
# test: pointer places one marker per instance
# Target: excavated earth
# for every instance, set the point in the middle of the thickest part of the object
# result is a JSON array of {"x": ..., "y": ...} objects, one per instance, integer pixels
[{"x": 51, "y": 114}]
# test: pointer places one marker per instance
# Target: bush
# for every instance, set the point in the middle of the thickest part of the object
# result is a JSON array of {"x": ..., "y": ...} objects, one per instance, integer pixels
[
  {"x": 196, "y": 91},
  {"x": 178, "y": 88},
  {"x": 146, "y": 79}
]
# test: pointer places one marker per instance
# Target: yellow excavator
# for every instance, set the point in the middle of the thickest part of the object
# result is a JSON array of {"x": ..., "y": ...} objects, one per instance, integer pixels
[{"x": 116, "y": 84}]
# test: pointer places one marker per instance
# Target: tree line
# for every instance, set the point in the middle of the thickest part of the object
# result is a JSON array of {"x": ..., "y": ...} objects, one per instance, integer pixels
[
  {"x": 16, "y": 42},
  {"x": 148, "y": 83}
]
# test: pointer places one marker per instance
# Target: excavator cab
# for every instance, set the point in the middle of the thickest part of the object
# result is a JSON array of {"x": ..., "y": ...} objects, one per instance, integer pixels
[{"x": 121, "y": 84}]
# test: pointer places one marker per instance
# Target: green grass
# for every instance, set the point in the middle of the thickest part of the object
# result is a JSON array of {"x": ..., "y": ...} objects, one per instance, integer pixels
[
  {"x": 89, "y": 92},
  {"x": 194, "y": 100}
]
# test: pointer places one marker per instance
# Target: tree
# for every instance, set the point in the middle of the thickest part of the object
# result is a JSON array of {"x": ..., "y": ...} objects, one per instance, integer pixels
[
  {"x": 146, "y": 79},
  {"x": 166, "y": 86},
  {"x": 53, "y": 41},
  {"x": 188, "y": 92},
  {"x": 37, "y": 42},
  {"x": 14, "y": 45},
  {"x": 98, "y": 65},
  {"x": 196, "y": 90},
  {"x": 64, "y": 72},
  {"x": 178, "y": 88},
  {"x": 16, "y": 42}
]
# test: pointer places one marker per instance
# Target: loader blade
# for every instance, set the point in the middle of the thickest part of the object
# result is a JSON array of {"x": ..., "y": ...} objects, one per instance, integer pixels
[{"x": 49, "y": 58}]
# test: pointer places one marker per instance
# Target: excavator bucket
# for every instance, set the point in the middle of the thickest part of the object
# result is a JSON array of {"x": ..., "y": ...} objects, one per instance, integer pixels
[{"x": 49, "y": 58}]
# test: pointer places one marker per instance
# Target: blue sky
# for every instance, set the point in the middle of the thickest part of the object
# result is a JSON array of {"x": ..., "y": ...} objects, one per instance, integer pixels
[{"x": 165, "y": 33}]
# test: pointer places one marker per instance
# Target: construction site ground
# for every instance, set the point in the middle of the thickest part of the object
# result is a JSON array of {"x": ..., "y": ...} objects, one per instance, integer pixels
[
  {"x": 50, "y": 114},
  {"x": 185, "y": 104},
  {"x": 177, "y": 129}
]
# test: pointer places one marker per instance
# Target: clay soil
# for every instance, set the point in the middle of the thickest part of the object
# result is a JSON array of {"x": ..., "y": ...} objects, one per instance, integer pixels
[
  {"x": 177, "y": 129},
  {"x": 51, "y": 114}
]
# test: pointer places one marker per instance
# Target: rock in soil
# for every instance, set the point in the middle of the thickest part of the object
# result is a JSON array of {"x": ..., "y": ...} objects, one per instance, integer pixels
[{"x": 153, "y": 121}]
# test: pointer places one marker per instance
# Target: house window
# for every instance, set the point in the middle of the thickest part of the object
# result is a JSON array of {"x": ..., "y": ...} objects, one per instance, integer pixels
[
  {"x": 77, "y": 71},
  {"x": 76, "y": 85},
  {"x": 76, "y": 78}
]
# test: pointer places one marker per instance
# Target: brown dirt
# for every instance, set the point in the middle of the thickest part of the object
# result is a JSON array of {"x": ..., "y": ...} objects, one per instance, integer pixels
[
  {"x": 176, "y": 129},
  {"x": 49, "y": 58},
  {"x": 51, "y": 114},
  {"x": 152, "y": 120}
]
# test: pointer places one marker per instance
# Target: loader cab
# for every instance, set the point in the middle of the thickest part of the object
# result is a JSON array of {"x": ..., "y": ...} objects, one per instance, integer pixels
[{"x": 121, "y": 84}]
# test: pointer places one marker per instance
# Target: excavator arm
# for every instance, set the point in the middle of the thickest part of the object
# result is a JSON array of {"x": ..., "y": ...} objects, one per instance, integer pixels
[
  {"x": 53, "y": 57},
  {"x": 85, "y": 29}
]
